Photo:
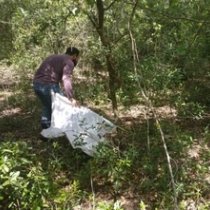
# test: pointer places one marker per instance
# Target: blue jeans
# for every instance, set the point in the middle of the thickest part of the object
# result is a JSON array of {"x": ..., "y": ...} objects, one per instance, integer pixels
[{"x": 43, "y": 92}]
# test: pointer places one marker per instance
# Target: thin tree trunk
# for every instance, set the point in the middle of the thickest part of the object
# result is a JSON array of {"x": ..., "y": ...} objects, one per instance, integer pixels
[
  {"x": 112, "y": 82},
  {"x": 98, "y": 23},
  {"x": 151, "y": 107}
]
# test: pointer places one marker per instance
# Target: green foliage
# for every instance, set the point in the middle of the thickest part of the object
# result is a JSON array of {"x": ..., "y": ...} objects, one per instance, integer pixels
[
  {"x": 170, "y": 50},
  {"x": 23, "y": 183},
  {"x": 6, "y": 35},
  {"x": 191, "y": 109},
  {"x": 109, "y": 206},
  {"x": 38, "y": 29},
  {"x": 116, "y": 168},
  {"x": 172, "y": 67},
  {"x": 68, "y": 198},
  {"x": 28, "y": 182},
  {"x": 142, "y": 206}
]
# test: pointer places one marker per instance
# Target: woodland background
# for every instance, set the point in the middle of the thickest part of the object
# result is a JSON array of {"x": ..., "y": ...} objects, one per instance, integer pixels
[{"x": 145, "y": 65}]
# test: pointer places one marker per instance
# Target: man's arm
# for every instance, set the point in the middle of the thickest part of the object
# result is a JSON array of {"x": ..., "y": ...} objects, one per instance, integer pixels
[
  {"x": 66, "y": 79},
  {"x": 67, "y": 83}
]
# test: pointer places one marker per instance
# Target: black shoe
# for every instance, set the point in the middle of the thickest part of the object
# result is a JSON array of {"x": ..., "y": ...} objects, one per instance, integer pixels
[{"x": 45, "y": 125}]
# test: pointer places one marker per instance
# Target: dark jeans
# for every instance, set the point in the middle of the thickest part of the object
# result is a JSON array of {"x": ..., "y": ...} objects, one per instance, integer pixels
[{"x": 43, "y": 91}]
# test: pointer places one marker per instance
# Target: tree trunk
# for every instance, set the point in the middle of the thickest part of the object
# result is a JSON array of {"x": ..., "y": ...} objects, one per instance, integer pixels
[
  {"x": 98, "y": 23},
  {"x": 112, "y": 82}
]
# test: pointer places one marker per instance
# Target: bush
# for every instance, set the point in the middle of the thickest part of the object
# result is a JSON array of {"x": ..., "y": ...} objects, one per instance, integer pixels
[{"x": 23, "y": 183}]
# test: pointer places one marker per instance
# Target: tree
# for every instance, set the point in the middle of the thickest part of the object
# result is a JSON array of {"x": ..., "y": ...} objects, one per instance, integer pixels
[
  {"x": 108, "y": 18},
  {"x": 6, "y": 35}
]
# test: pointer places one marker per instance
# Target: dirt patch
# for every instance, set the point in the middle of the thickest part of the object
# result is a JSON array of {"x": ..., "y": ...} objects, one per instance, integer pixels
[{"x": 8, "y": 76}]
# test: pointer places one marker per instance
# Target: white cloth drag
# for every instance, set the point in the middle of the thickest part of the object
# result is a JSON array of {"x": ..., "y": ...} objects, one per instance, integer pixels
[{"x": 84, "y": 128}]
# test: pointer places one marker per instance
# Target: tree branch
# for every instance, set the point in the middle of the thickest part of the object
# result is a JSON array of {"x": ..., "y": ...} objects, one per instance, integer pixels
[
  {"x": 100, "y": 8},
  {"x": 92, "y": 21},
  {"x": 178, "y": 18},
  {"x": 130, "y": 20},
  {"x": 5, "y": 22},
  {"x": 133, "y": 11},
  {"x": 151, "y": 107},
  {"x": 110, "y": 5}
]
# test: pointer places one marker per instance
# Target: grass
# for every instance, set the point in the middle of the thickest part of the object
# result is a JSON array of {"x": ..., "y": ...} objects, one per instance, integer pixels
[{"x": 130, "y": 173}]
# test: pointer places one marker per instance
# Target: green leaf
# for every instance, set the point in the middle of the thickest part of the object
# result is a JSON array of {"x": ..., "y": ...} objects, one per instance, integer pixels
[
  {"x": 5, "y": 168},
  {"x": 14, "y": 175}
]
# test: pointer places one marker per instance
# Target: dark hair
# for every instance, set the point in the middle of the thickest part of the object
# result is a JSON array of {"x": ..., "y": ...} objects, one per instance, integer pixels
[{"x": 72, "y": 51}]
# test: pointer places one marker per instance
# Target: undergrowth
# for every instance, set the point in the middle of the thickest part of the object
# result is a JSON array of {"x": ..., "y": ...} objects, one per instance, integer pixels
[{"x": 130, "y": 171}]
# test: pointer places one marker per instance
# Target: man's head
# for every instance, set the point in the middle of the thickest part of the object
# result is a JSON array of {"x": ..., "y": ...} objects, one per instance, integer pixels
[{"x": 73, "y": 52}]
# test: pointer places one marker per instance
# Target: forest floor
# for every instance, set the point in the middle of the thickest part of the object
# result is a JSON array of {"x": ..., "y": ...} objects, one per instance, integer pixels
[{"x": 147, "y": 182}]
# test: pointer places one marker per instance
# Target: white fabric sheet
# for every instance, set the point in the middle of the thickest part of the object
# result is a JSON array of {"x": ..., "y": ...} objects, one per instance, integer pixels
[{"x": 84, "y": 128}]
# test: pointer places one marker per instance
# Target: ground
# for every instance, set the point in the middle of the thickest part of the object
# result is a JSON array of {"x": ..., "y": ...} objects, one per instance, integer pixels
[{"x": 19, "y": 118}]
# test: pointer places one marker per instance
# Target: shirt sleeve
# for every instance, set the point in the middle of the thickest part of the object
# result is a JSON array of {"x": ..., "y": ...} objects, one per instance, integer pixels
[{"x": 66, "y": 78}]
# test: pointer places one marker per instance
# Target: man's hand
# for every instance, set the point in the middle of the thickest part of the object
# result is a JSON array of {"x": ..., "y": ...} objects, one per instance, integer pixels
[{"x": 74, "y": 102}]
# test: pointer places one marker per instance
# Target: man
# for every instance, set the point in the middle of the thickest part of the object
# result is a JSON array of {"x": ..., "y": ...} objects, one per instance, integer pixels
[{"x": 54, "y": 70}]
